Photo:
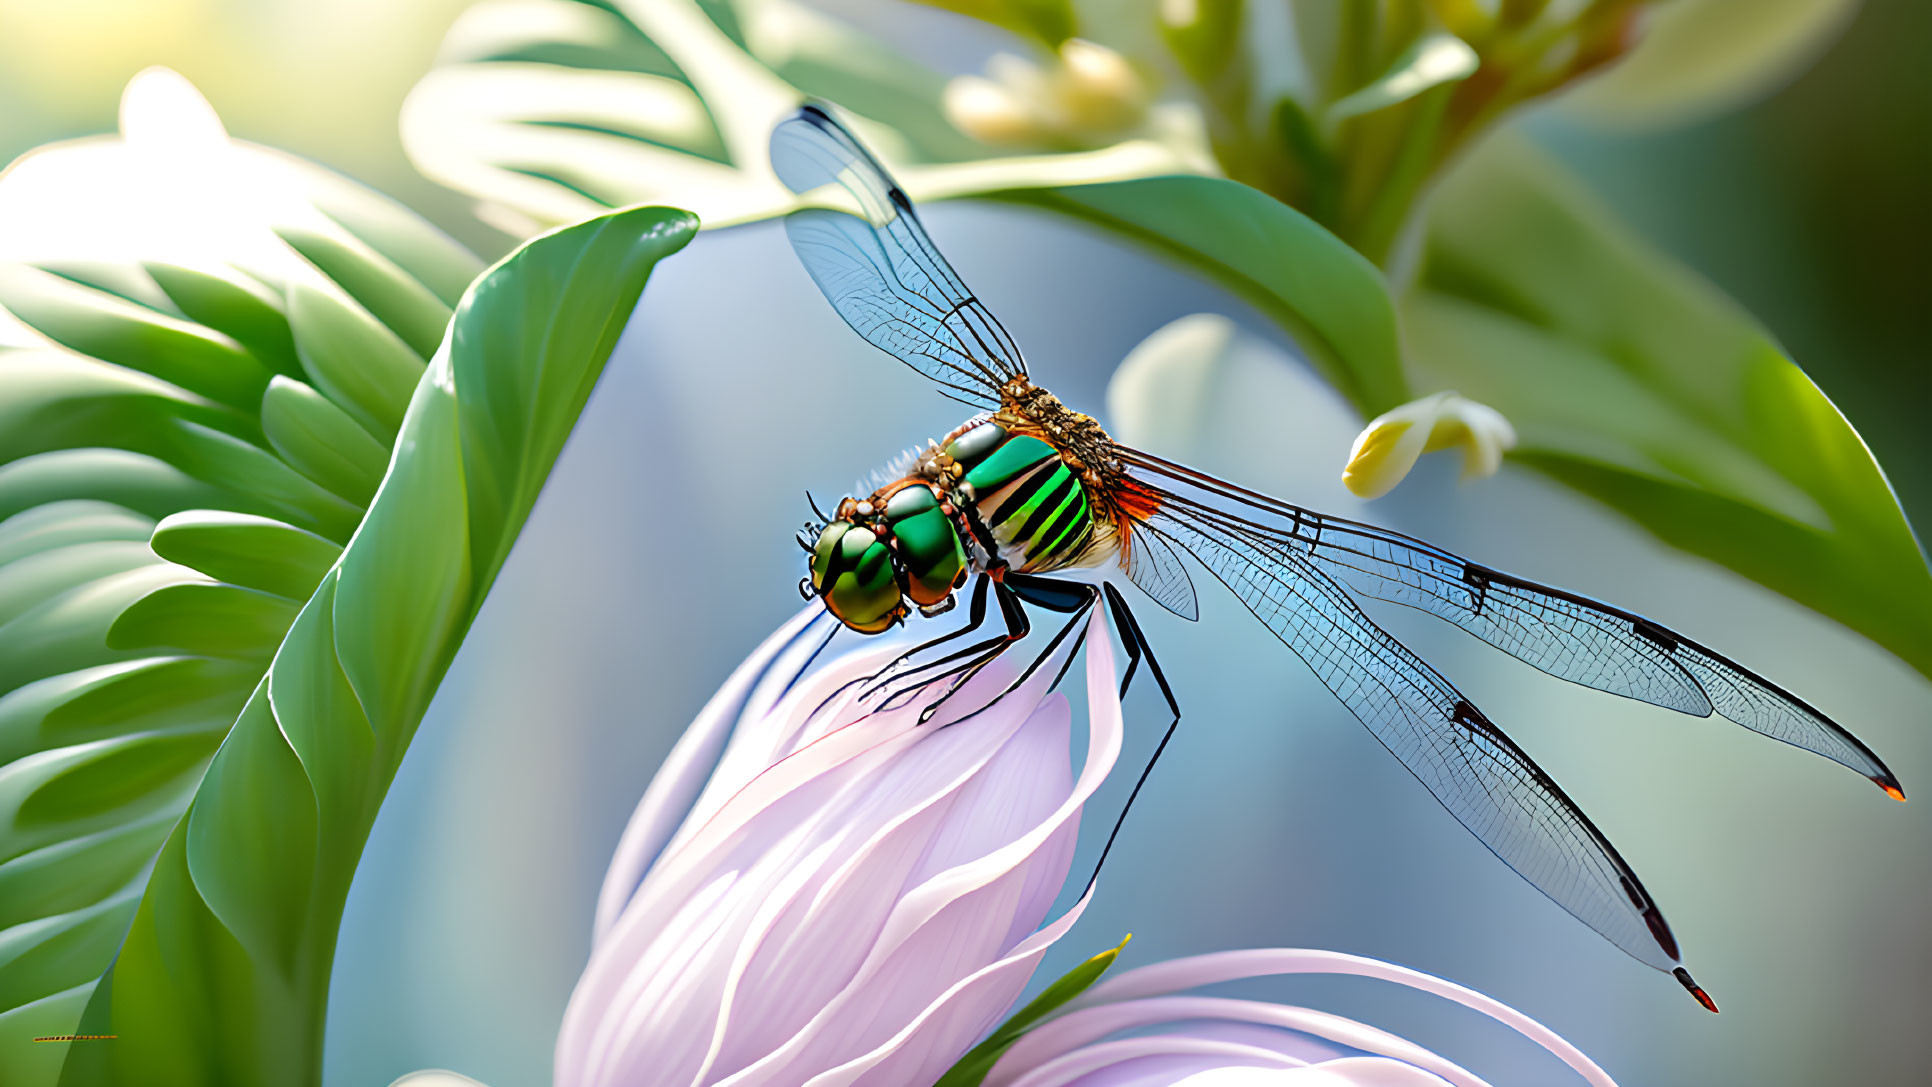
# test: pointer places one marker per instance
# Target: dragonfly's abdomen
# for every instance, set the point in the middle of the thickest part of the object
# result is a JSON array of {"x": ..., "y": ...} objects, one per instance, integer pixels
[{"x": 1034, "y": 506}]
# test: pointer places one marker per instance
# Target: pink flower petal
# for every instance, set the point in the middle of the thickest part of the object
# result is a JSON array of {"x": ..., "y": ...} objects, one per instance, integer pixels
[
  {"x": 1178, "y": 1055},
  {"x": 924, "y": 938},
  {"x": 1143, "y": 997},
  {"x": 685, "y": 770},
  {"x": 1086, "y": 1026},
  {"x": 1347, "y": 1072},
  {"x": 852, "y": 894}
]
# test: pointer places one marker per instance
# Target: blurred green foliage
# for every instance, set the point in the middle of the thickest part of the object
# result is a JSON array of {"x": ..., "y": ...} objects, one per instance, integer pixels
[
  {"x": 1637, "y": 384},
  {"x": 1810, "y": 209},
  {"x": 1639, "y": 387}
]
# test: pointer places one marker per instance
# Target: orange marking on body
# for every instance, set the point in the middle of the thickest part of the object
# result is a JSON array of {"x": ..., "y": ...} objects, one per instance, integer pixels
[
  {"x": 1704, "y": 998},
  {"x": 1683, "y": 978},
  {"x": 1136, "y": 502},
  {"x": 1893, "y": 791}
]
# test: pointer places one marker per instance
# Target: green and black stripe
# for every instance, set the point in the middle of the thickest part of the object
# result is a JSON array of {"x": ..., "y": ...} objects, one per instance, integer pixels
[{"x": 1034, "y": 505}]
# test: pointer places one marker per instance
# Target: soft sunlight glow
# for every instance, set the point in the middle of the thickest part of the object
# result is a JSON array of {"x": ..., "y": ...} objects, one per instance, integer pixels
[{"x": 171, "y": 188}]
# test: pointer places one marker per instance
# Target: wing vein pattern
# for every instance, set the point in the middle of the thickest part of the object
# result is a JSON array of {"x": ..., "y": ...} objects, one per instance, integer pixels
[
  {"x": 1289, "y": 566},
  {"x": 1567, "y": 635},
  {"x": 1488, "y": 783},
  {"x": 880, "y": 270}
]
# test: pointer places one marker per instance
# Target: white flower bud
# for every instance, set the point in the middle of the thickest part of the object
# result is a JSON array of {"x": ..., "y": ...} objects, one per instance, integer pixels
[
  {"x": 1096, "y": 89},
  {"x": 1089, "y": 94},
  {"x": 1389, "y": 446},
  {"x": 990, "y": 113}
]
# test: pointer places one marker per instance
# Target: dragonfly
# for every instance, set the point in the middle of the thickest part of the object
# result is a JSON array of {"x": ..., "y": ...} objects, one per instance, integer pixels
[{"x": 1038, "y": 503}]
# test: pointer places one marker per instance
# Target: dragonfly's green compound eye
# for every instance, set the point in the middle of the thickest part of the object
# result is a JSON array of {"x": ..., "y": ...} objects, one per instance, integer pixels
[
  {"x": 929, "y": 546},
  {"x": 852, "y": 572}
]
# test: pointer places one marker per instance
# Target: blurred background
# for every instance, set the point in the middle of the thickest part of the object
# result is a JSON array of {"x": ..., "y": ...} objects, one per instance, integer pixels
[
  {"x": 1800, "y": 896},
  {"x": 1809, "y": 206}
]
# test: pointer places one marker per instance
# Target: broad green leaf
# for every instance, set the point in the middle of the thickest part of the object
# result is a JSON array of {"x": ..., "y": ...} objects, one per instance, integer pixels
[
  {"x": 551, "y": 110},
  {"x": 205, "y": 685},
  {"x": 1701, "y": 57},
  {"x": 559, "y": 88},
  {"x": 1328, "y": 297},
  {"x": 264, "y": 775},
  {"x": 245, "y": 311},
  {"x": 978, "y": 1061},
  {"x": 1632, "y": 381}
]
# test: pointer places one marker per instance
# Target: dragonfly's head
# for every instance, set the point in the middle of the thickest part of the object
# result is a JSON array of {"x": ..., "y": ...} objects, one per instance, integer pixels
[{"x": 885, "y": 555}]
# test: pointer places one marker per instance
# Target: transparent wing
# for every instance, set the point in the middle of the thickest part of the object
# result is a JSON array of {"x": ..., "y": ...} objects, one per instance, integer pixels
[
  {"x": 880, "y": 270},
  {"x": 1569, "y": 636},
  {"x": 1158, "y": 571},
  {"x": 1483, "y": 778}
]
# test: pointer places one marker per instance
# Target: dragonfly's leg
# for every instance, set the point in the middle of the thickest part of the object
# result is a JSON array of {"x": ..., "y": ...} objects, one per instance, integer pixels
[
  {"x": 1137, "y": 646},
  {"x": 932, "y": 671},
  {"x": 1076, "y": 598},
  {"x": 977, "y": 656},
  {"x": 1018, "y": 626},
  {"x": 975, "y": 618}
]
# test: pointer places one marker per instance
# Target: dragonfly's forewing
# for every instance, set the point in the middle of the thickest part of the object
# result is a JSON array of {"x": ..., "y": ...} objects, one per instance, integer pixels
[
  {"x": 1483, "y": 778},
  {"x": 1567, "y": 635},
  {"x": 879, "y": 269},
  {"x": 1283, "y": 562}
]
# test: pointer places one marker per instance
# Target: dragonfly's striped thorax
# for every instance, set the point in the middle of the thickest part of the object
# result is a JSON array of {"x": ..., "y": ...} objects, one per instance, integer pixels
[
  {"x": 1032, "y": 507},
  {"x": 1004, "y": 491}
]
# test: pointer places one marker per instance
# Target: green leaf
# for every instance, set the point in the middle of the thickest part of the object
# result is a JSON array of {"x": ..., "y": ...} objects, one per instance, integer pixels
[
  {"x": 353, "y": 359},
  {"x": 1698, "y": 58},
  {"x": 411, "y": 312},
  {"x": 253, "y": 880},
  {"x": 1632, "y": 381},
  {"x": 322, "y": 441},
  {"x": 253, "y": 552},
  {"x": 973, "y": 1067},
  {"x": 209, "y": 620},
  {"x": 1205, "y": 37},
  {"x": 96, "y": 322},
  {"x": 1326, "y": 295},
  {"x": 203, "y": 691},
  {"x": 551, "y": 110},
  {"x": 234, "y": 304},
  {"x": 1048, "y": 22}
]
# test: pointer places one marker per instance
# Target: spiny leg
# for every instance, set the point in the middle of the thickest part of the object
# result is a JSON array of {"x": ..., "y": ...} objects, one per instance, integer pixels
[
  {"x": 977, "y": 656},
  {"x": 940, "y": 668},
  {"x": 1075, "y": 598},
  {"x": 1068, "y": 597},
  {"x": 1136, "y": 644},
  {"x": 975, "y": 618}
]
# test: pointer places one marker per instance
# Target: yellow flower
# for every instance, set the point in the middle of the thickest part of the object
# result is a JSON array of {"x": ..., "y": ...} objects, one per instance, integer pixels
[{"x": 1389, "y": 446}]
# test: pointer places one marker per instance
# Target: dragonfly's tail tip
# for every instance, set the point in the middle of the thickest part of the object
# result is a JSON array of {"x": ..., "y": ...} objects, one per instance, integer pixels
[{"x": 1683, "y": 978}]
